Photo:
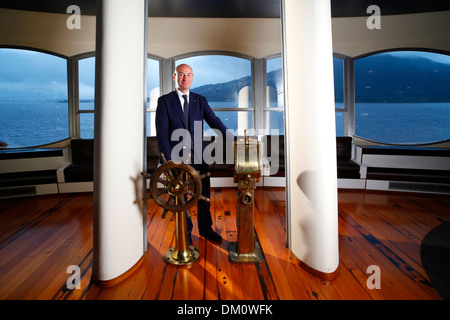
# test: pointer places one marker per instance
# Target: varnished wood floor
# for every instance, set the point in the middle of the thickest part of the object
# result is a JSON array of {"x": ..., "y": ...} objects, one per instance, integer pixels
[{"x": 40, "y": 237}]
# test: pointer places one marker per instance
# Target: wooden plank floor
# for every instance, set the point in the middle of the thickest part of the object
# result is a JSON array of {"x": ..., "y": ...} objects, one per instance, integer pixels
[{"x": 40, "y": 237}]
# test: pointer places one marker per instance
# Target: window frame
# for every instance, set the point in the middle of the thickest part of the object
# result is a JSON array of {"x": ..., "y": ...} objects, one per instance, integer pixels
[
  {"x": 254, "y": 87},
  {"x": 353, "y": 93},
  {"x": 74, "y": 98},
  {"x": 69, "y": 83},
  {"x": 149, "y": 111},
  {"x": 266, "y": 109},
  {"x": 259, "y": 110},
  {"x": 74, "y": 106},
  {"x": 348, "y": 96}
]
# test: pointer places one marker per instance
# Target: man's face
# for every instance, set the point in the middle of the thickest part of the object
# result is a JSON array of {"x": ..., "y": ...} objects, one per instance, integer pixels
[{"x": 184, "y": 76}]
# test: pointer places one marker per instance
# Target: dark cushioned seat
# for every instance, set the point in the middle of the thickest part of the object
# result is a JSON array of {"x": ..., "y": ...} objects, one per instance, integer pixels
[
  {"x": 346, "y": 168},
  {"x": 153, "y": 156},
  {"x": 406, "y": 151},
  {"x": 13, "y": 179},
  {"x": 407, "y": 174},
  {"x": 82, "y": 151},
  {"x": 416, "y": 175},
  {"x": 277, "y": 152},
  {"x": 220, "y": 168},
  {"x": 82, "y": 167},
  {"x": 79, "y": 172}
]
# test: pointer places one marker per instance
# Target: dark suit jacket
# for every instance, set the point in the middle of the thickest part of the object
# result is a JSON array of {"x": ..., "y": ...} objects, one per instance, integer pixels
[{"x": 170, "y": 117}]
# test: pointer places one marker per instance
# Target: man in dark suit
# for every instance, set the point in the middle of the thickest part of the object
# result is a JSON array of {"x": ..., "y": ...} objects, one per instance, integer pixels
[{"x": 184, "y": 111}]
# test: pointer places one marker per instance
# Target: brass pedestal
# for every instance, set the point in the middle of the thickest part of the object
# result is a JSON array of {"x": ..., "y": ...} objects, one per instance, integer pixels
[
  {"x": 244, "y": 257},
  {"x": 182, "y": 253},
  {"x": 185, "y": 257},
  {"x": 247, "y": 174}
]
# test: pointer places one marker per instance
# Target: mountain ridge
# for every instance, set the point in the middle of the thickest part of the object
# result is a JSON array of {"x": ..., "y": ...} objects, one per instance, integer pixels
[{"x": 378, "y": 78}]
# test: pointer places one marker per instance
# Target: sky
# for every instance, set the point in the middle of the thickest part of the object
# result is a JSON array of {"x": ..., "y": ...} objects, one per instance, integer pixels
[
  {"x": 30, "y": 75},
  {"x": 214, "y": 69},
  {"x": 86, "y": 78},
  {"x": 441, "y": 58}
]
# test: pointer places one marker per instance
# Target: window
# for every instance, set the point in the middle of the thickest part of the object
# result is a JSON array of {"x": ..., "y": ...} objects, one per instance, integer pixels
[
  {"x": 226, "y": 82},
  {"x": 33, "y": 98},
  {"x": 274, "y": 111},
  {"x": 86, "y": 93},
  {"x": 86, "y": 85},
  {"x": 153, "y": 93},
  {"x": 403, "y": 97},
  {"x": 339, "y": 105}
]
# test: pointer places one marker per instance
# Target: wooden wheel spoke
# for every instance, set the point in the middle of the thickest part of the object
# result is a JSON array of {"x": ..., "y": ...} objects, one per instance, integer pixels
[
  {"x": 161, "y": 191},
  {"x": 163, "y": 181},
  {"x": 180, "y": 175},
  {"x": 171, "y": 201},
  {"x": 191, "y": 182},
  {"x": 170, "y": 174}
]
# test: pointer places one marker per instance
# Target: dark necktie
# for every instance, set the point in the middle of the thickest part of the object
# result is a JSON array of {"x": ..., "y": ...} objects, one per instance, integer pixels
[{"x": 186, "y": 109}]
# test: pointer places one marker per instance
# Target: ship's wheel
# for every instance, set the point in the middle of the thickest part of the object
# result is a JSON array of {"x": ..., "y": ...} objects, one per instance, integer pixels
[{"x": 177, "y": 187}]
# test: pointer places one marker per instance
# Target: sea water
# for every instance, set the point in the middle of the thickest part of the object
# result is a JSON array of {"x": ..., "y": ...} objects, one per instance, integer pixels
[{"x": 25, "y": 124}]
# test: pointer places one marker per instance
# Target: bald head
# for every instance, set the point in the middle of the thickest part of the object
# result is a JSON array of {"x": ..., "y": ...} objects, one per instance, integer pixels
[
  {"x": 183, "y": 76},
  {"x": 183, "y": 66}
]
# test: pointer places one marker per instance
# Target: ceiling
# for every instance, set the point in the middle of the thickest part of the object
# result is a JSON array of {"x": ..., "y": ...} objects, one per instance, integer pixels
[{"x": 235, "y": 8}]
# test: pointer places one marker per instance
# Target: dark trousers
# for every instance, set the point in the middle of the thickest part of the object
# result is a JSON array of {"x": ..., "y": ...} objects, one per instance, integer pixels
[{"x": 204, "y": 219}]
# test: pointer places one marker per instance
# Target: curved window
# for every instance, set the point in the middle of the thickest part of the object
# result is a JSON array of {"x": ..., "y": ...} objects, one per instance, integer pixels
[
  {"x": 86, "y": 87},
  {"x": 403, "y": 97},
  {"x": 33, "y": 98},
  {"x": 339, "y": 104},
  {"x": 153, "y": 93},
  {"x": 86, "y": 93},
  {"x": 226, "y": 82},
  {"x": 274, "y": 111}
]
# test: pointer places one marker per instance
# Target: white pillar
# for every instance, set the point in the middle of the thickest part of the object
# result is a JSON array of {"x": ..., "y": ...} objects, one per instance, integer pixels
[
  {"x": 311, "y": 188},
  {"x": 121, "y": 57},
  {"x": 244, "y": 98}
]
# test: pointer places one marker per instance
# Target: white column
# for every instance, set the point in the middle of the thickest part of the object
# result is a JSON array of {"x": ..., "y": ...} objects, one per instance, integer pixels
[
  {"x": 244, "y": 98},
  {"x": 311, "y": 188},
  {"x": 119, "y": 217}
]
